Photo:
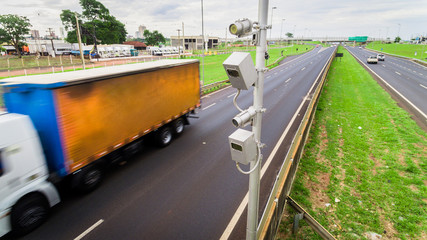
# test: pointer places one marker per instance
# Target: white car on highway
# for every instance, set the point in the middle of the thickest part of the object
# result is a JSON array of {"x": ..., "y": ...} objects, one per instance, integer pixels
[{"x": 372, "y": 59}]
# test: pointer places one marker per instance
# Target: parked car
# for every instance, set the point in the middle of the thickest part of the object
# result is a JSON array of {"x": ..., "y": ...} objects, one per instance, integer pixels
[
  {"x": 380, "y": 57},
  {"x": 372, "y": 59}
]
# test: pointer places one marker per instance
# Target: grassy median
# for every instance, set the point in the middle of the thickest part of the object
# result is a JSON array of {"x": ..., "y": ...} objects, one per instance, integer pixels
[{"x": 363, "y": 171}]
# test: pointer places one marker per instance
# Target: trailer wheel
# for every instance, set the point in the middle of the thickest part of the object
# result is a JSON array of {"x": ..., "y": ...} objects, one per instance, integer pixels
[
  {"x": 178, "y": 126},
  {"x": 29, "y": 213},
  {"x": 163, "y": 136}
]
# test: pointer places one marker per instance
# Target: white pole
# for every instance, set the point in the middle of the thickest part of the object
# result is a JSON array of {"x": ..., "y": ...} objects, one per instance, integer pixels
[
  {"x": 203, "y": 46},
  {"x": 254, "y": 177},
  {"x": 80, "y": 41}
]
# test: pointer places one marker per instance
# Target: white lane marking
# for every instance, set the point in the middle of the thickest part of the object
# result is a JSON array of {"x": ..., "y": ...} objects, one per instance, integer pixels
[
  {"x": 230, "y": 227},
  {"x": 423, "y": 86},
  {"x": 89, "y": 229},
  {"x": 206, "y": 96},
  {"x": 268, "y": 76},
  {"x": 275, "y": 73},
  {"x": 303, "y": 69},
  {"x": 398, "y": 73},
  {"x": 208, "y": 106},
  {"x": 383, "y": 65},
  {"x": 289, "y": 79},
  {"x": 421, "y": 74},
  {"x": 232, "y": 95}
]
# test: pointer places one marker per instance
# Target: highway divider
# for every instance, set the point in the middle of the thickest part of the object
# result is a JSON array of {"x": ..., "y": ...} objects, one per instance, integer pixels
[{"x": 270, "y": 220}]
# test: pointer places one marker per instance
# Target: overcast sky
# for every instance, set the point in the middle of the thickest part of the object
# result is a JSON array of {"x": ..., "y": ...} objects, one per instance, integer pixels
[{"x": 331, "y": 18}]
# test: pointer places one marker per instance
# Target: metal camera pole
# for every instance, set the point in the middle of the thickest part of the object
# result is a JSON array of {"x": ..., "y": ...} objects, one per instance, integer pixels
[{"x": 254, "y": 177}]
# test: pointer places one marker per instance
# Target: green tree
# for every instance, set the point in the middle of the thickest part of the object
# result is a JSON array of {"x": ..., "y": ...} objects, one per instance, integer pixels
[
  {"x": 289, "y": 35},
  {"x": 397, "y": 39},
  {"x": 96, "y": 23},
  {"x": 153, "y": 38},
  {"x": 12, "y": 30}
]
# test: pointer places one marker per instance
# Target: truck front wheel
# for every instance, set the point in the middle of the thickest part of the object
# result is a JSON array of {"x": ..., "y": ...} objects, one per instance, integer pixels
[
  {"x": 88, "y": 179},
  {"x": 29, "y": 213}
]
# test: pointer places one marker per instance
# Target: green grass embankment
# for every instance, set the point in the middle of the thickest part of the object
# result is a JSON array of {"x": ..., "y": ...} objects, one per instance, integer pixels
[
  {"x": 214, "y": 71},
  {"x": 417, "y": 51},
  {"x": 364, "y": 167}
]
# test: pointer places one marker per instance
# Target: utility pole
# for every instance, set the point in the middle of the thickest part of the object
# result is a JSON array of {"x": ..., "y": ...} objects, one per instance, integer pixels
[
  {"x": 80, "y": 41},
  {"x": 179, "y": 43},
  {"x": 51, "y": 32},
  {"x": 203, "y": 46},
  {"x": 226, "y": 31},
  {"x": 183, "y": 38},
  {"x": 243, "y": 75},
  {"x": 254, "y": 177}
]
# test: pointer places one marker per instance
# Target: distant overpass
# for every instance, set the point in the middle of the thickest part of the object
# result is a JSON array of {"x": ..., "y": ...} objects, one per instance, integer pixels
[{"x": 322, "y": 39}]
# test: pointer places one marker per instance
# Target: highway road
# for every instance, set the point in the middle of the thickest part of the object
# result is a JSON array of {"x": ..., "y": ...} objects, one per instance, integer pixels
[
  {"x": 192, "y": 189},
  {"x": 405, "y": 79}
]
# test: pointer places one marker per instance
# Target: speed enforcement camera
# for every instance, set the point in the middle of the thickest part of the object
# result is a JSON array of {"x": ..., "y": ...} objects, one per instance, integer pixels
[
  {"x": 242, "y": 146},
  {"x": 241, "y": 27},
  {"x": 240, "y": 70}
]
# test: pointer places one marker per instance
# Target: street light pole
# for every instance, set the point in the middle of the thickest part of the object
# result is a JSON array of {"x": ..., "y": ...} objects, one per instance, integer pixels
[
  {"x": 281, "y": 29},
  {"x": 272, "y": 20},
  {"x": 398, "y": 32}
]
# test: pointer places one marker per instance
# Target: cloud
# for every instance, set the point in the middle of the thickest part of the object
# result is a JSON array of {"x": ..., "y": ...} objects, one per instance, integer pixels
[{"x": 310, "y": 17}]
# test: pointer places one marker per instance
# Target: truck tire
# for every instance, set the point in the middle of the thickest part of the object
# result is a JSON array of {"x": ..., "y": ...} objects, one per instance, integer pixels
[
  {"x": 29, "y": 213},
  {"x": 88, "y": 179},
  {"x": 178, "y": 126},
  {"x": 163, "y": 136}
]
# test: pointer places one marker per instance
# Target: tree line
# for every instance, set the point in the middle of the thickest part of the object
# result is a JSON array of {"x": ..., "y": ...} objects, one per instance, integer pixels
[{"x": 97, "y": 26}]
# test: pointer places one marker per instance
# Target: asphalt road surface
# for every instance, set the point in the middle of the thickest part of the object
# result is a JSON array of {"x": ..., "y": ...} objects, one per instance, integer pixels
[
  {"x": 407, "y": 79},
  {"x": 191, "y": 189}
]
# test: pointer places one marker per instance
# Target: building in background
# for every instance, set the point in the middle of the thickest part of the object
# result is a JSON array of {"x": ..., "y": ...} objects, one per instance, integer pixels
[
  {"x": 35, "y": 34},
  {"x": 140, "y": 32},
  {"x": 136, "y": 45},
  {"x": 193, "y": 42}
]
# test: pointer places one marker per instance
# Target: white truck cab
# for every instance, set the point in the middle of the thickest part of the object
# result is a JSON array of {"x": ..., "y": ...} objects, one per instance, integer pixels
[{"x": 25, "y": 193}]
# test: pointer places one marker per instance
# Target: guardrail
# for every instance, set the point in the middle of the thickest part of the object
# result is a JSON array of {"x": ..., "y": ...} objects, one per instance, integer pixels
[
  {"x": 270, "y": 220},
  {"x": 207, "y": 88}
]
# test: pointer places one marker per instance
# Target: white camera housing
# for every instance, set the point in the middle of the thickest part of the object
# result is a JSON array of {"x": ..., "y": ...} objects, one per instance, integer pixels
[
  {"x": 240, "y": 70},
  {"x": 241, "y": 27},
  {"x": 243, "y": 146},
  {"x": 244, "y": 118}
]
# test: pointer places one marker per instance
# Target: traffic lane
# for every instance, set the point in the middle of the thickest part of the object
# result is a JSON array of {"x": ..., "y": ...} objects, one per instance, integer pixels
[
  {"x": 404, "y": 81},
  {"x": 146, "y": 197},
  {"x": 411, "y": 88},
  {"x": 162, "y": 234},
  {"x": 280, "y": 113},
  {"x": 143, "y": 188},
  {"x": 133, "y": 197},
  {"x": 411, "y": 70}
]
